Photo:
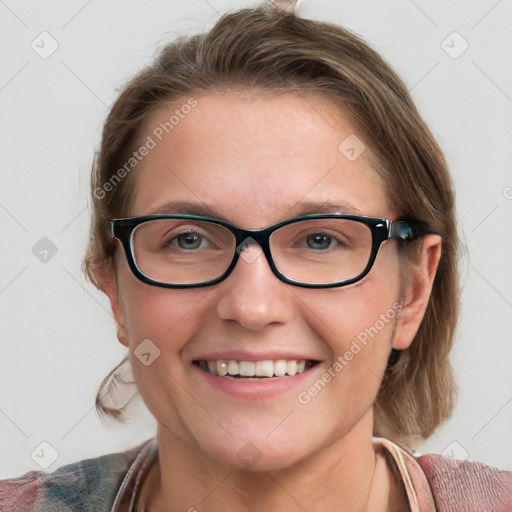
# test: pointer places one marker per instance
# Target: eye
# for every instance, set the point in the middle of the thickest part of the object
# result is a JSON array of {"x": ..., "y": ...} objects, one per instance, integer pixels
[
  {"x": 188, "y": 241},
  {"x": 319, "y": 241}
]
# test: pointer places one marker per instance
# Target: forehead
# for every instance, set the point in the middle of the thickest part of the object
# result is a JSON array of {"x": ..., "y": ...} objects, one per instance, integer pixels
[{"x": 252, "y": 160}]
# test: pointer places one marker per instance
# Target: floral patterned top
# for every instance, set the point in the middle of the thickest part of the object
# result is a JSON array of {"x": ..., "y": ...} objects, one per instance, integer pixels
[{"x": 112, "y": 483}]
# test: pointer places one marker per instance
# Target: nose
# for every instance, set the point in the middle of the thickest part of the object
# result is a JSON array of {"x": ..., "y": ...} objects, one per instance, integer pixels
[{"x": 252, "y": 295}]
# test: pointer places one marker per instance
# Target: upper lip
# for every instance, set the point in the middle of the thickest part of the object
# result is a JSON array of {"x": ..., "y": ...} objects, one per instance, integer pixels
[{"x": 238, "y": 355}]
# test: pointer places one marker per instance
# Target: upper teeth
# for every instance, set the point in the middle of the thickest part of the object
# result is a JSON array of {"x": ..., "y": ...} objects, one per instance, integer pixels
[{"x": 269, "y": 368}]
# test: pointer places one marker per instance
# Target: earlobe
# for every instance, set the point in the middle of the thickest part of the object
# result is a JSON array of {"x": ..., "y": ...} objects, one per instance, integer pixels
[
  {"x": 417, "y": 290},
  {"x": 106, "y": 278}
]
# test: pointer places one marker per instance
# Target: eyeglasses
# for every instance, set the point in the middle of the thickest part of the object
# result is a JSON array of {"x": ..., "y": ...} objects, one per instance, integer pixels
[{"x": 312, "y": 251}]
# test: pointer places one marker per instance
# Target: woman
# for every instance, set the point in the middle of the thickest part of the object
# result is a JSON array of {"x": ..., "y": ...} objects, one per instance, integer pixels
[{"x": 274, "y": 226}]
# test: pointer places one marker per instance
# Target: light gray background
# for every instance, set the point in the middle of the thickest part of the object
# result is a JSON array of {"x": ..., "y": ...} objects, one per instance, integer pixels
[{"x": 57, "y": 335}]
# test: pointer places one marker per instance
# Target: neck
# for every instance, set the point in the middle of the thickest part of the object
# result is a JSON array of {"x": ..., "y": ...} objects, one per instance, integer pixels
[{"x": 338, "y": 477}]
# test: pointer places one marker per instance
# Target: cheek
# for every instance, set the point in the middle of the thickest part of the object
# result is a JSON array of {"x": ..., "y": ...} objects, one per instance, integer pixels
[
  {"x": 360, "y": 311},
  {"x": 160, "y": 322},
  {"x": 358, "y": 328},
  {"x": 357, "y": 324},
  {"x": 160, "y": 313}
]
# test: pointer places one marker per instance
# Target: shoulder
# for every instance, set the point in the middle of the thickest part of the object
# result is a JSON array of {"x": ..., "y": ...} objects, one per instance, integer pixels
[
  {"x": 467, "y": 486},
  {"x": 91, "y": 484}
]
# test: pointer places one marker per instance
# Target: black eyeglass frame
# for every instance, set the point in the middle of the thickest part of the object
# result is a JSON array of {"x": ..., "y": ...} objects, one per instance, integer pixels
[{"x": 381, "y": 229}]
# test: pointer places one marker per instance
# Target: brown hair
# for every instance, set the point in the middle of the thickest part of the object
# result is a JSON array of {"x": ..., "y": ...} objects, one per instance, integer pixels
[{"x": 263, "y": 50}]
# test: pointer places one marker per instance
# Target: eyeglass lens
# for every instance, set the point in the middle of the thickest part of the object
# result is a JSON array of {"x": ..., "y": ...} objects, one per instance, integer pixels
[{"x": 181, "y": 251}]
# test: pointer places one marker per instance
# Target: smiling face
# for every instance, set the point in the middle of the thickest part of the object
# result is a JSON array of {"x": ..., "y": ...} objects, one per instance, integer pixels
[{"x": 255, "y": 162}]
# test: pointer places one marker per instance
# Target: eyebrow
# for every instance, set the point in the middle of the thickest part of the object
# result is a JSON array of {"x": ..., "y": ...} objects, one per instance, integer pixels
[{"x": 298, "y": 209}]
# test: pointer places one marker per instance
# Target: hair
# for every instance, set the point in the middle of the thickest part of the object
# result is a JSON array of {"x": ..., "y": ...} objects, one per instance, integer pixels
[{"x": 262, "y": 49}]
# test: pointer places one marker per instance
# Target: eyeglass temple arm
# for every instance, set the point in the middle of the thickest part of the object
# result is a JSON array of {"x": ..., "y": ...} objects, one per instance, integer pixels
[{"x": 409, "y": 230}]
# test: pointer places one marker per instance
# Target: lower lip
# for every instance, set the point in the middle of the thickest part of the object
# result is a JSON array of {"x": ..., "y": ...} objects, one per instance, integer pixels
[{"x": 258, "y": 389}]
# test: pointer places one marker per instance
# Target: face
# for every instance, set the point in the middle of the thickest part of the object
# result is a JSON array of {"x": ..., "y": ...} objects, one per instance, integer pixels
[{"x": 255, "y": 162}]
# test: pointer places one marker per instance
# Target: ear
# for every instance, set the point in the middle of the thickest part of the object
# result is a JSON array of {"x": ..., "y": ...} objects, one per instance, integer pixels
[
  {"x": 106, "y": 277},
  {"x": 416, "y": 291}
]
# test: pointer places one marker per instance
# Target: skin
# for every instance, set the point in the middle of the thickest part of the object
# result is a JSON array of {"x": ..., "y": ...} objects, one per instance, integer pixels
[{"x": 254, "y": 159}]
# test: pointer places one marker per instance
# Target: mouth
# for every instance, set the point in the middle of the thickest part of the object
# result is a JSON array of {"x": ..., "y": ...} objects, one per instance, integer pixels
[{"x": 255, "y": 370}]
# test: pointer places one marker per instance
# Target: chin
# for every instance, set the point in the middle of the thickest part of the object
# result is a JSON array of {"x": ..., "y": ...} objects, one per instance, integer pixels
[{"x": 257, "y": 453}]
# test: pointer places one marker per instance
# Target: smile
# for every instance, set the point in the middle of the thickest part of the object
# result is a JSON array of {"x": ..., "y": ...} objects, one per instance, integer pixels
[{"x": 255, "y": 369}]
